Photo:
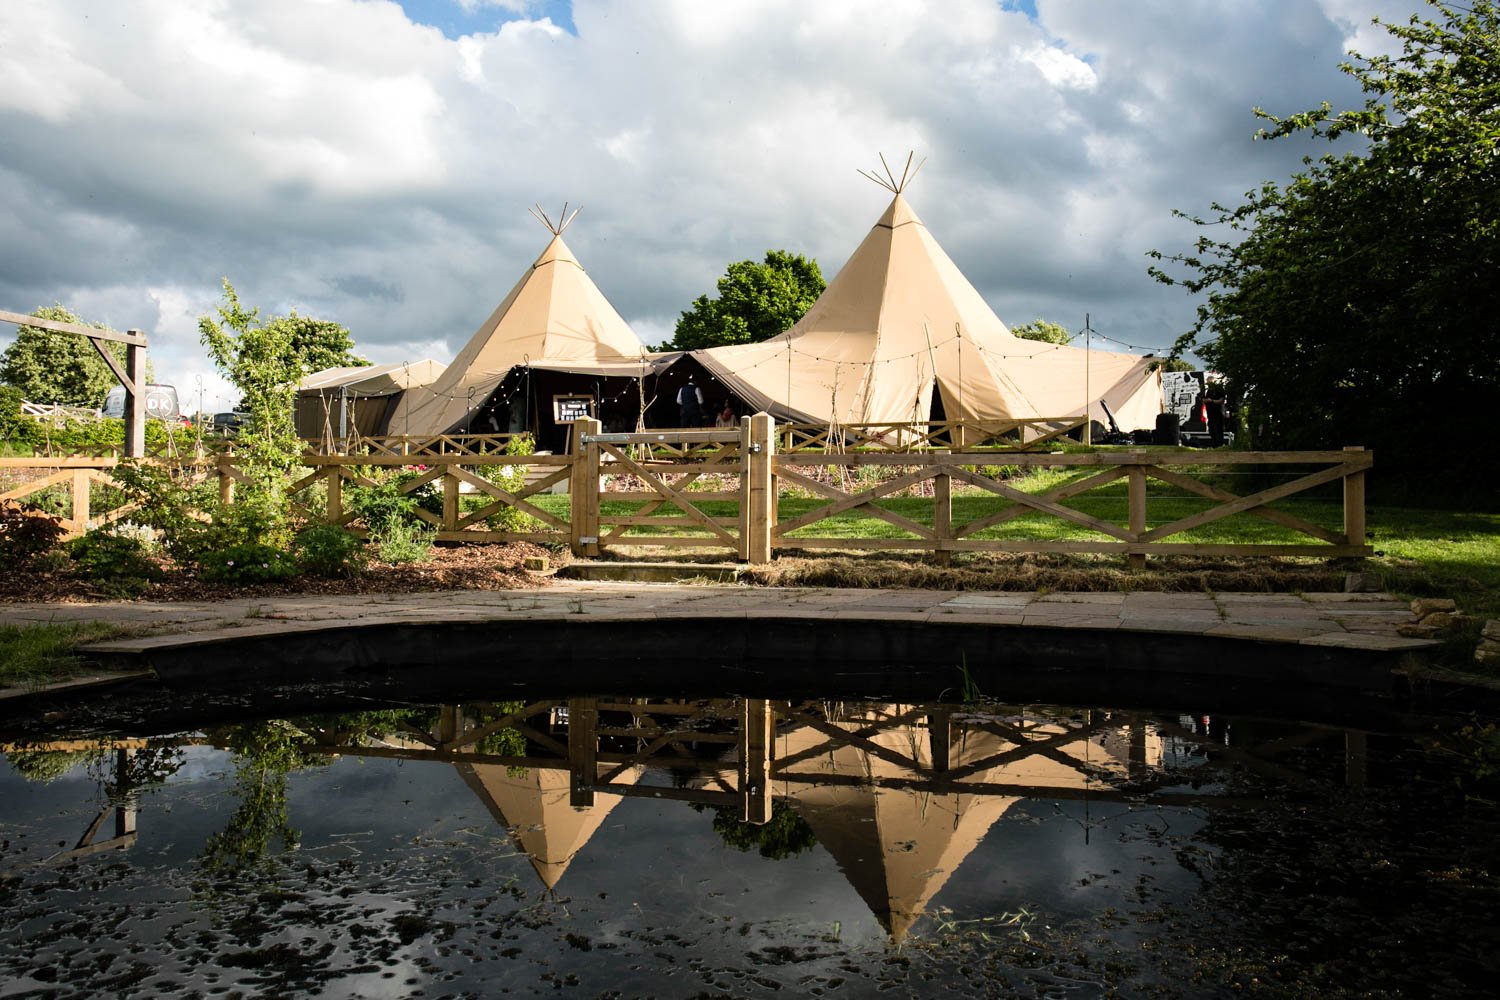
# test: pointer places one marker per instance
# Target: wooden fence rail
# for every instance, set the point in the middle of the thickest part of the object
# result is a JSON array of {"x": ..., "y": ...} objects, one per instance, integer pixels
[{"x": 732, "y": 490}]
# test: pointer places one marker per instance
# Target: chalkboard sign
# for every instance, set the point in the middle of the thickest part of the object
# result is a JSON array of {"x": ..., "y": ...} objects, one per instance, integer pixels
[{"x": 566, "y": 409}]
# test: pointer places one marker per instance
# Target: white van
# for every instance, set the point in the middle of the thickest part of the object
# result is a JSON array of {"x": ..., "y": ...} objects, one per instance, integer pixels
[{"x": 161, "y": 403}]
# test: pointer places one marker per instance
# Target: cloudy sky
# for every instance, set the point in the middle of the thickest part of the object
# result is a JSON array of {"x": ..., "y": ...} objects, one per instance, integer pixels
[{"x": 371, "y": 162}]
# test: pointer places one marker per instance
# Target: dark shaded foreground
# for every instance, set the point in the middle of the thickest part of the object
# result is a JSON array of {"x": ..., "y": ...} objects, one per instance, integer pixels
[{"x": 360, "y": 843}]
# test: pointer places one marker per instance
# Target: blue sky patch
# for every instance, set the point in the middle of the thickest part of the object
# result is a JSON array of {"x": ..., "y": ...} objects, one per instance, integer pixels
[{"x": 454, "y": 21}]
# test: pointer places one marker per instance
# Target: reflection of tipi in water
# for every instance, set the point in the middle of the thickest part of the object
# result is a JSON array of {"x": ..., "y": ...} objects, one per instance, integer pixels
[
  {"x": 533, "y": 803},
  {"x": 899, "y": 846}
]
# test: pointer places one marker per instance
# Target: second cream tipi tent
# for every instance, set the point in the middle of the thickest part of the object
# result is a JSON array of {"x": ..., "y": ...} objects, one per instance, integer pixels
[
  {"x": 899, "y": 322},
  {"x": 555, "y": 317}
]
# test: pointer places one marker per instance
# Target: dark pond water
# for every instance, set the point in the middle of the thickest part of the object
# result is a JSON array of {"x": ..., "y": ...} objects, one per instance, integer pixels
[{"x": 683, "y": 847}]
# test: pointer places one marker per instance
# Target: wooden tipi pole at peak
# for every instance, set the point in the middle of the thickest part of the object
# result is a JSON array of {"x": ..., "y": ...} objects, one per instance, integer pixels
[
  {"x": 889, "y": 181},
  {"x": 564, "y": 220}
]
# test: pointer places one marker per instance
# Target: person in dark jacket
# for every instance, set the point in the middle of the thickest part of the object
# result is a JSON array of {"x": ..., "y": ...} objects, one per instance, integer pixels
[{"x": 1216, "y": 403}]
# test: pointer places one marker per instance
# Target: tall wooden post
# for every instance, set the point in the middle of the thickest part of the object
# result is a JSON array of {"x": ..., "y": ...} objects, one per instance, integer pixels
[
  {"x": 583, "y": 488},
  {"x": 135, "y": 399},
  {"x": 81, "y": 499},
  {"x": 1136, "y": 490},
  {"x": 758, "y": 441},
  {"x": 942, "y": 514},
  {"x": 226, "y": 480},
  {"x": 335, "y": 494},
  {"x": 450, "y": 501},
  {"x": 583, "y": 750},
  {"x": 1354, "y": 503},
  {"x": 757, "y": 739}
]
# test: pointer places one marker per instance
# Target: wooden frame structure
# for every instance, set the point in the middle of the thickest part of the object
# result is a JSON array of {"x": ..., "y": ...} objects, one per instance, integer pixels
[
  {"x": 132, "y": 375},
  {"x": 657, "y": 471}
]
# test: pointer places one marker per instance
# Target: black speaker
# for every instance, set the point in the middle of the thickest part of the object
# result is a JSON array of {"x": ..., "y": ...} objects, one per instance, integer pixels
[{"x": 1168, "y": 430}]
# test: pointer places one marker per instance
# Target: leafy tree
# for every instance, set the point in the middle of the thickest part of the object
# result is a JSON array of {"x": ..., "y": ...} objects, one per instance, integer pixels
[
  {"x": 52, "y": 367},
  {"x": 265, "y": 359},
  {"x": 258, "y": 357},
  {"x": 319, "y": 343},
  {"x": 1043, "y": 330},
  {"x": 756, "y": 301},
  {"x": 1355, "y": 303}
]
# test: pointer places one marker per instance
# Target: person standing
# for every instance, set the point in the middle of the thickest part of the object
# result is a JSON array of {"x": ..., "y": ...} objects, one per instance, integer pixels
[
  {"x": 1215, "y": 403},
  {"x": 690, "y": 404}
]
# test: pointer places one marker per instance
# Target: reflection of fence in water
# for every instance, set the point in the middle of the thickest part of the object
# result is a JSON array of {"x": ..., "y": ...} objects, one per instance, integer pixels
[{"x": 899, "y": 795}]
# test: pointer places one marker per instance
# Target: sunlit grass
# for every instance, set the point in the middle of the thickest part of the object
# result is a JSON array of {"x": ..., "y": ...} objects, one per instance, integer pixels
[{"x": 31, "y": 655}]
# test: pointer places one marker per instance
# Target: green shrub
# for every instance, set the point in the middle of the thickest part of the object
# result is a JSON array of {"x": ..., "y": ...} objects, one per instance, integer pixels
[
  {"x": 328, "y": 550},
  {"x": 116, "y": 563},
  {"x": 166, "y": 504},
  {"x": 249, "y": 562},
  {"x": 26, "y": 533},
  {"x": 253, "y": 519},
  {"x": 382, "y": 505},
  {"x": 404, "y": 542}
]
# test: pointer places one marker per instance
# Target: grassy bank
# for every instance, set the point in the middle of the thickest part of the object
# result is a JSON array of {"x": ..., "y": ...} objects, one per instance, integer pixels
[{"x": 32, "y": 655}]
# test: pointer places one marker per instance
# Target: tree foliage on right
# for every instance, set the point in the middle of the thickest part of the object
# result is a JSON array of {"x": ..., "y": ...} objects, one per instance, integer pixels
[
  {"x": 1356, "y": 303},
  {"x": 756, "y": 301}
]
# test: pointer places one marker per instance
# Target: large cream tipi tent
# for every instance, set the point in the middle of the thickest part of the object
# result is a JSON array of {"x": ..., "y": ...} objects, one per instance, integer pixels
[
  {"x": 900, "y": 321},
  {"x": 554, "y": 318}
]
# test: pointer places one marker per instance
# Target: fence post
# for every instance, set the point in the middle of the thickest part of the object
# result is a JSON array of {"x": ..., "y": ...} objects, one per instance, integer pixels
[
  {"x": 450, "y": 499},
  {"x": 81, "y": 499},
  {"x": 335, "y": 512},
  {"x": 226, "y": 481},
  {"x": 135, "y": 400},
  {"x": 758, "y": 437},
  {"x": 942, "y": 512},
  {"x": 1136, "y": 490},
  {"x": 583, "y": 488},
  {"x": 1354, "y": 503}
]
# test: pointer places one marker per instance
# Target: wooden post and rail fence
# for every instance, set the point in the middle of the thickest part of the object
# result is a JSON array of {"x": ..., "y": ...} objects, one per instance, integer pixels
[{"x": 733, "y": 490}]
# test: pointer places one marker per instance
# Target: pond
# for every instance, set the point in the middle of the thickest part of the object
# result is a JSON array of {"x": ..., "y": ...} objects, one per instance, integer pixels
[{"x": 612, "y": 846}]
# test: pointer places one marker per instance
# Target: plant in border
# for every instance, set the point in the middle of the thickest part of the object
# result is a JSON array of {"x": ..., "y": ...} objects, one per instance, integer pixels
[
  {"x": 328, "y": 550},
  {"x": 116, "y": 563},
  {"x": 248, "y": 562},
  {"x": 26, "y": 533}
]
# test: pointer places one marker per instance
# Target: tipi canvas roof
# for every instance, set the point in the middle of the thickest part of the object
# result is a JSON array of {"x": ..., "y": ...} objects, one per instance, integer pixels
[
  {"x": 554, "y": 314},
  {"x": 899, "y": 318},
  {"x": 372, "y": 380}
]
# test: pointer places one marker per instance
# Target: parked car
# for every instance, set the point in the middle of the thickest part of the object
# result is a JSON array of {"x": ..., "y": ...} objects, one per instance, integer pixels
[{"x": 229, "y": 423}]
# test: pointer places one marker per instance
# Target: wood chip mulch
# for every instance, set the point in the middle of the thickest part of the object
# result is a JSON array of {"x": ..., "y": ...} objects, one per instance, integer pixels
[{"x": 456, "y": 567}]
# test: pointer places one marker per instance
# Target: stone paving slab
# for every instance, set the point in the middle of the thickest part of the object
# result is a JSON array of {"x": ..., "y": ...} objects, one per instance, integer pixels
[{"x": 1348, "y": 621}]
